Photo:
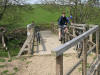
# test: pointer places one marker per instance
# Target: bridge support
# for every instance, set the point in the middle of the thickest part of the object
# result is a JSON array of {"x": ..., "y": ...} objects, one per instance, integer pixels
[
  {"x": 84, "y": 62},
  {"x": 97, "y": 50},
  {"x": 28, "y": 45},
  {"x": 59, "y": 65}
]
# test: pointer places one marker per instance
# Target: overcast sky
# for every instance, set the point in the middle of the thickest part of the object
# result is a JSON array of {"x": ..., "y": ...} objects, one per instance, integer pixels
[
  {"x": 37, "y": 1},
  {"x": 34, "y": 1}
]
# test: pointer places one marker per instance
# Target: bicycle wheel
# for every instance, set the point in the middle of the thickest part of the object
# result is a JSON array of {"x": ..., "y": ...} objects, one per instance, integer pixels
[
  {"x": 38, "y": 37},
  {"x": 63, "y": 37},
  {"x": 79, "y": 49}
]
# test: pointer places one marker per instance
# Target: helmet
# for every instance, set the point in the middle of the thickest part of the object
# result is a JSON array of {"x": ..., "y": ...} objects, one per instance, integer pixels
[
  {"x": 63, "y": 12},
  {"x": 71, "y": 17}
]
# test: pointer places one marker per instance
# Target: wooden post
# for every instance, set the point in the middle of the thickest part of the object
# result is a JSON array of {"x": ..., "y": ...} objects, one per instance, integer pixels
[
  {"x": 84, "y": 62},
  {"x": 97, "y": 43},
  {"x": 59, "y": 65},
  {"x": 90, "y": 38},
  {"x": 97, "y": 48},
  {"x": 74, "y": 32}
]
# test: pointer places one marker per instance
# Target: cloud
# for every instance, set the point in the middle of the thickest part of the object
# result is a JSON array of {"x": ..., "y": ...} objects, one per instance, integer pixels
[{"x": 33, "y": 1}]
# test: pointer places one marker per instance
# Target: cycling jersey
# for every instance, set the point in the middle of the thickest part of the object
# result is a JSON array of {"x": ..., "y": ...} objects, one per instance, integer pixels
[{"x": 62, "y": 21}]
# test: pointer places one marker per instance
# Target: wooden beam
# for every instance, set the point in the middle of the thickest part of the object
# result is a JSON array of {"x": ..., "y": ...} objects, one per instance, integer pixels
[
  {"x": 59, "y": 50},
  {"x": 93, "y": 67},
  {"x": 97, "y": 48},
  {"x": 81, "y": 25},
  {"x": 97, "y": 43},
  {"x": 84, "y": 62},
  {"x": 59, "y": 65},
  {"x": 76, "y": 65}
]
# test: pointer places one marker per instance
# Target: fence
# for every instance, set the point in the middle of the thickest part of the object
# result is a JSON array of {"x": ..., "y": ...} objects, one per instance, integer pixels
[
  {"x": 58, "y": 52},
  {"x": 28, "y": 44}
]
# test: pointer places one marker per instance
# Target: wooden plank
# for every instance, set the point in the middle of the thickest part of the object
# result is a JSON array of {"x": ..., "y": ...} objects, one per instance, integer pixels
[
  {"x": 59, "y": 65},
  {"x": 76, "y": 65},
  {"x": 81, "y": 28},
  {"x": 97, "y": 43},
  {"x": 59, "y": 50},
  {"x": 81, "y": 25},
  {"x": 94, "y": 66},
  {"x": 97, "y": 48},
  {"x": 84, "y": 62}
]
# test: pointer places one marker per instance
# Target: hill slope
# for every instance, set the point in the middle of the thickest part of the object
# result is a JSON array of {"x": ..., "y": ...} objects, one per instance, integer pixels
[{"x": 20, "y": 16}]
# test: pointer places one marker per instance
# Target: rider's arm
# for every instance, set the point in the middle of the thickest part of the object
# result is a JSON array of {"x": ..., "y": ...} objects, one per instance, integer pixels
[
  {"x": 71, "y": 17},
  {"x": 59, "y": 21},
  {"x": 67, "y": 20}
]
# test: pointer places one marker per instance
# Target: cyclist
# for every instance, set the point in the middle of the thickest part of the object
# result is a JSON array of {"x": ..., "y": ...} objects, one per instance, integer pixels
[
  {"x": 63, "y": 20},
  {"x": 69, "y": 20}
]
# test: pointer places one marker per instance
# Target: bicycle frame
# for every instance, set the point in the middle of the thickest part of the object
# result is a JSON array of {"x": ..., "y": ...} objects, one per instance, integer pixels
[{"x": 63, "y": 34}]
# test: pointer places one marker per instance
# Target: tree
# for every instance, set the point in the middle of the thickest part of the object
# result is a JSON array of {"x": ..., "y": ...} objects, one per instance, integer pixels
[
  {"x": 3, "y": 7},
  {"x": 5, "y": 3}
]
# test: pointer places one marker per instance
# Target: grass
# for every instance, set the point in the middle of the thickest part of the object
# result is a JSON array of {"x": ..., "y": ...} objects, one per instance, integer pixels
[
  {"x": 2, "y": 60},
  {"x": 2, "y": 66},
  {"x": 4, "y": 72},
  {"x": 15, "y": 69},
  {"x": 80, "y": 68},
  {"x": 28, "y": 62},
  {"x": 11, "y": 74},
  {"x": 10, "y": 60},
  {"x": 23, "y": 59},
  {"x": 41, "y": 15},
  {"x": 3, "y": 54}
]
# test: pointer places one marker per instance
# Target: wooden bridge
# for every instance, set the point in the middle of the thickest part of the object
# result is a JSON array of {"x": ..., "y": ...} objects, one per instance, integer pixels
[{"x": 49, "y": 42}]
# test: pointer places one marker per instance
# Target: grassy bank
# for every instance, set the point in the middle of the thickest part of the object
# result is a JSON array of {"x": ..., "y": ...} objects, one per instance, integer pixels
[{"x": 20, "y": 16}]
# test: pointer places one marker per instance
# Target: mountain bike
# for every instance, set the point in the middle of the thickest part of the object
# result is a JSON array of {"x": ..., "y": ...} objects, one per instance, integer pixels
[
  {"x": 37, "y": 37},
  {"x": 79, "y": 46},
  {"x": 63, "y": 34}
]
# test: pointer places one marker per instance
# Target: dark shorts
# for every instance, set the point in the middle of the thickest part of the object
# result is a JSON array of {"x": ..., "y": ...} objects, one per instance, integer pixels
[{"x": 60, "y": 26}]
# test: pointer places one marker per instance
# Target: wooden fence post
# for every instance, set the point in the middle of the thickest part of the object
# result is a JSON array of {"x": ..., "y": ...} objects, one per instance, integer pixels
[
  {"x": 74, "y": 32},
  {"x": 59, "y": 65},
  {"x": 90, "y": 38},
  {"x": 84, "y": 62},
  {"x": 97, "y": 49}
]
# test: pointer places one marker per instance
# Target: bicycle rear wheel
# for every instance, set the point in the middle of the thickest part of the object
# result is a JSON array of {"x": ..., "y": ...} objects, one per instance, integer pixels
[
  {"x": 79, "y": 49},
  {"x": 63, "y": 38}
]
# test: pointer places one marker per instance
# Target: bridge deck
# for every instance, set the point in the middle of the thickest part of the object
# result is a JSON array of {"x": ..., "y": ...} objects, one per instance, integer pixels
[{"x": 49, "y": 41}]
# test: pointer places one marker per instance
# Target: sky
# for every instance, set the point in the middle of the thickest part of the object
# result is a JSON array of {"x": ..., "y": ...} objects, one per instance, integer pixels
[
  {"x": 38, "y": 1},
  {"x": 34, "y": 1}
]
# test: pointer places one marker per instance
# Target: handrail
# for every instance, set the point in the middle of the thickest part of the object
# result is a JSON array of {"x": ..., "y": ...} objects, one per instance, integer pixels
[
  {"x": 85, "y": 37},
  {"x": 61, "y": 49}
]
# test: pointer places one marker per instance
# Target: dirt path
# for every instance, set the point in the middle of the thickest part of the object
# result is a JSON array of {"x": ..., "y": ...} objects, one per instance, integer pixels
[
  {"x": 44, "y": 62},
  {"x": 49, "y": 42},
  {"x": 46, "y": 65}
]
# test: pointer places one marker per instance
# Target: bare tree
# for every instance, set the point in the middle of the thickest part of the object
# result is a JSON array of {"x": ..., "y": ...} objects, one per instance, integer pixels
[
  {"x": 5, "y": 3},
  {"x": 3, "y": 7}
]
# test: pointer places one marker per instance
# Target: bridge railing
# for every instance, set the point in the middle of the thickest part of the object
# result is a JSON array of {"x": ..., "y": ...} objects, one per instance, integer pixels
[
  {"x": 28, "y": 44},
  {"x": 72, "y": 30},
  {"x": 58, "y": 52}
]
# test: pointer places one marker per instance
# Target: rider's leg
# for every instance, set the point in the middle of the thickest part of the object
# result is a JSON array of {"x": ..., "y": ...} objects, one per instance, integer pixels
[
  {"x": 66, "y": 29},
  {"x": 59, "y": 33}
]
